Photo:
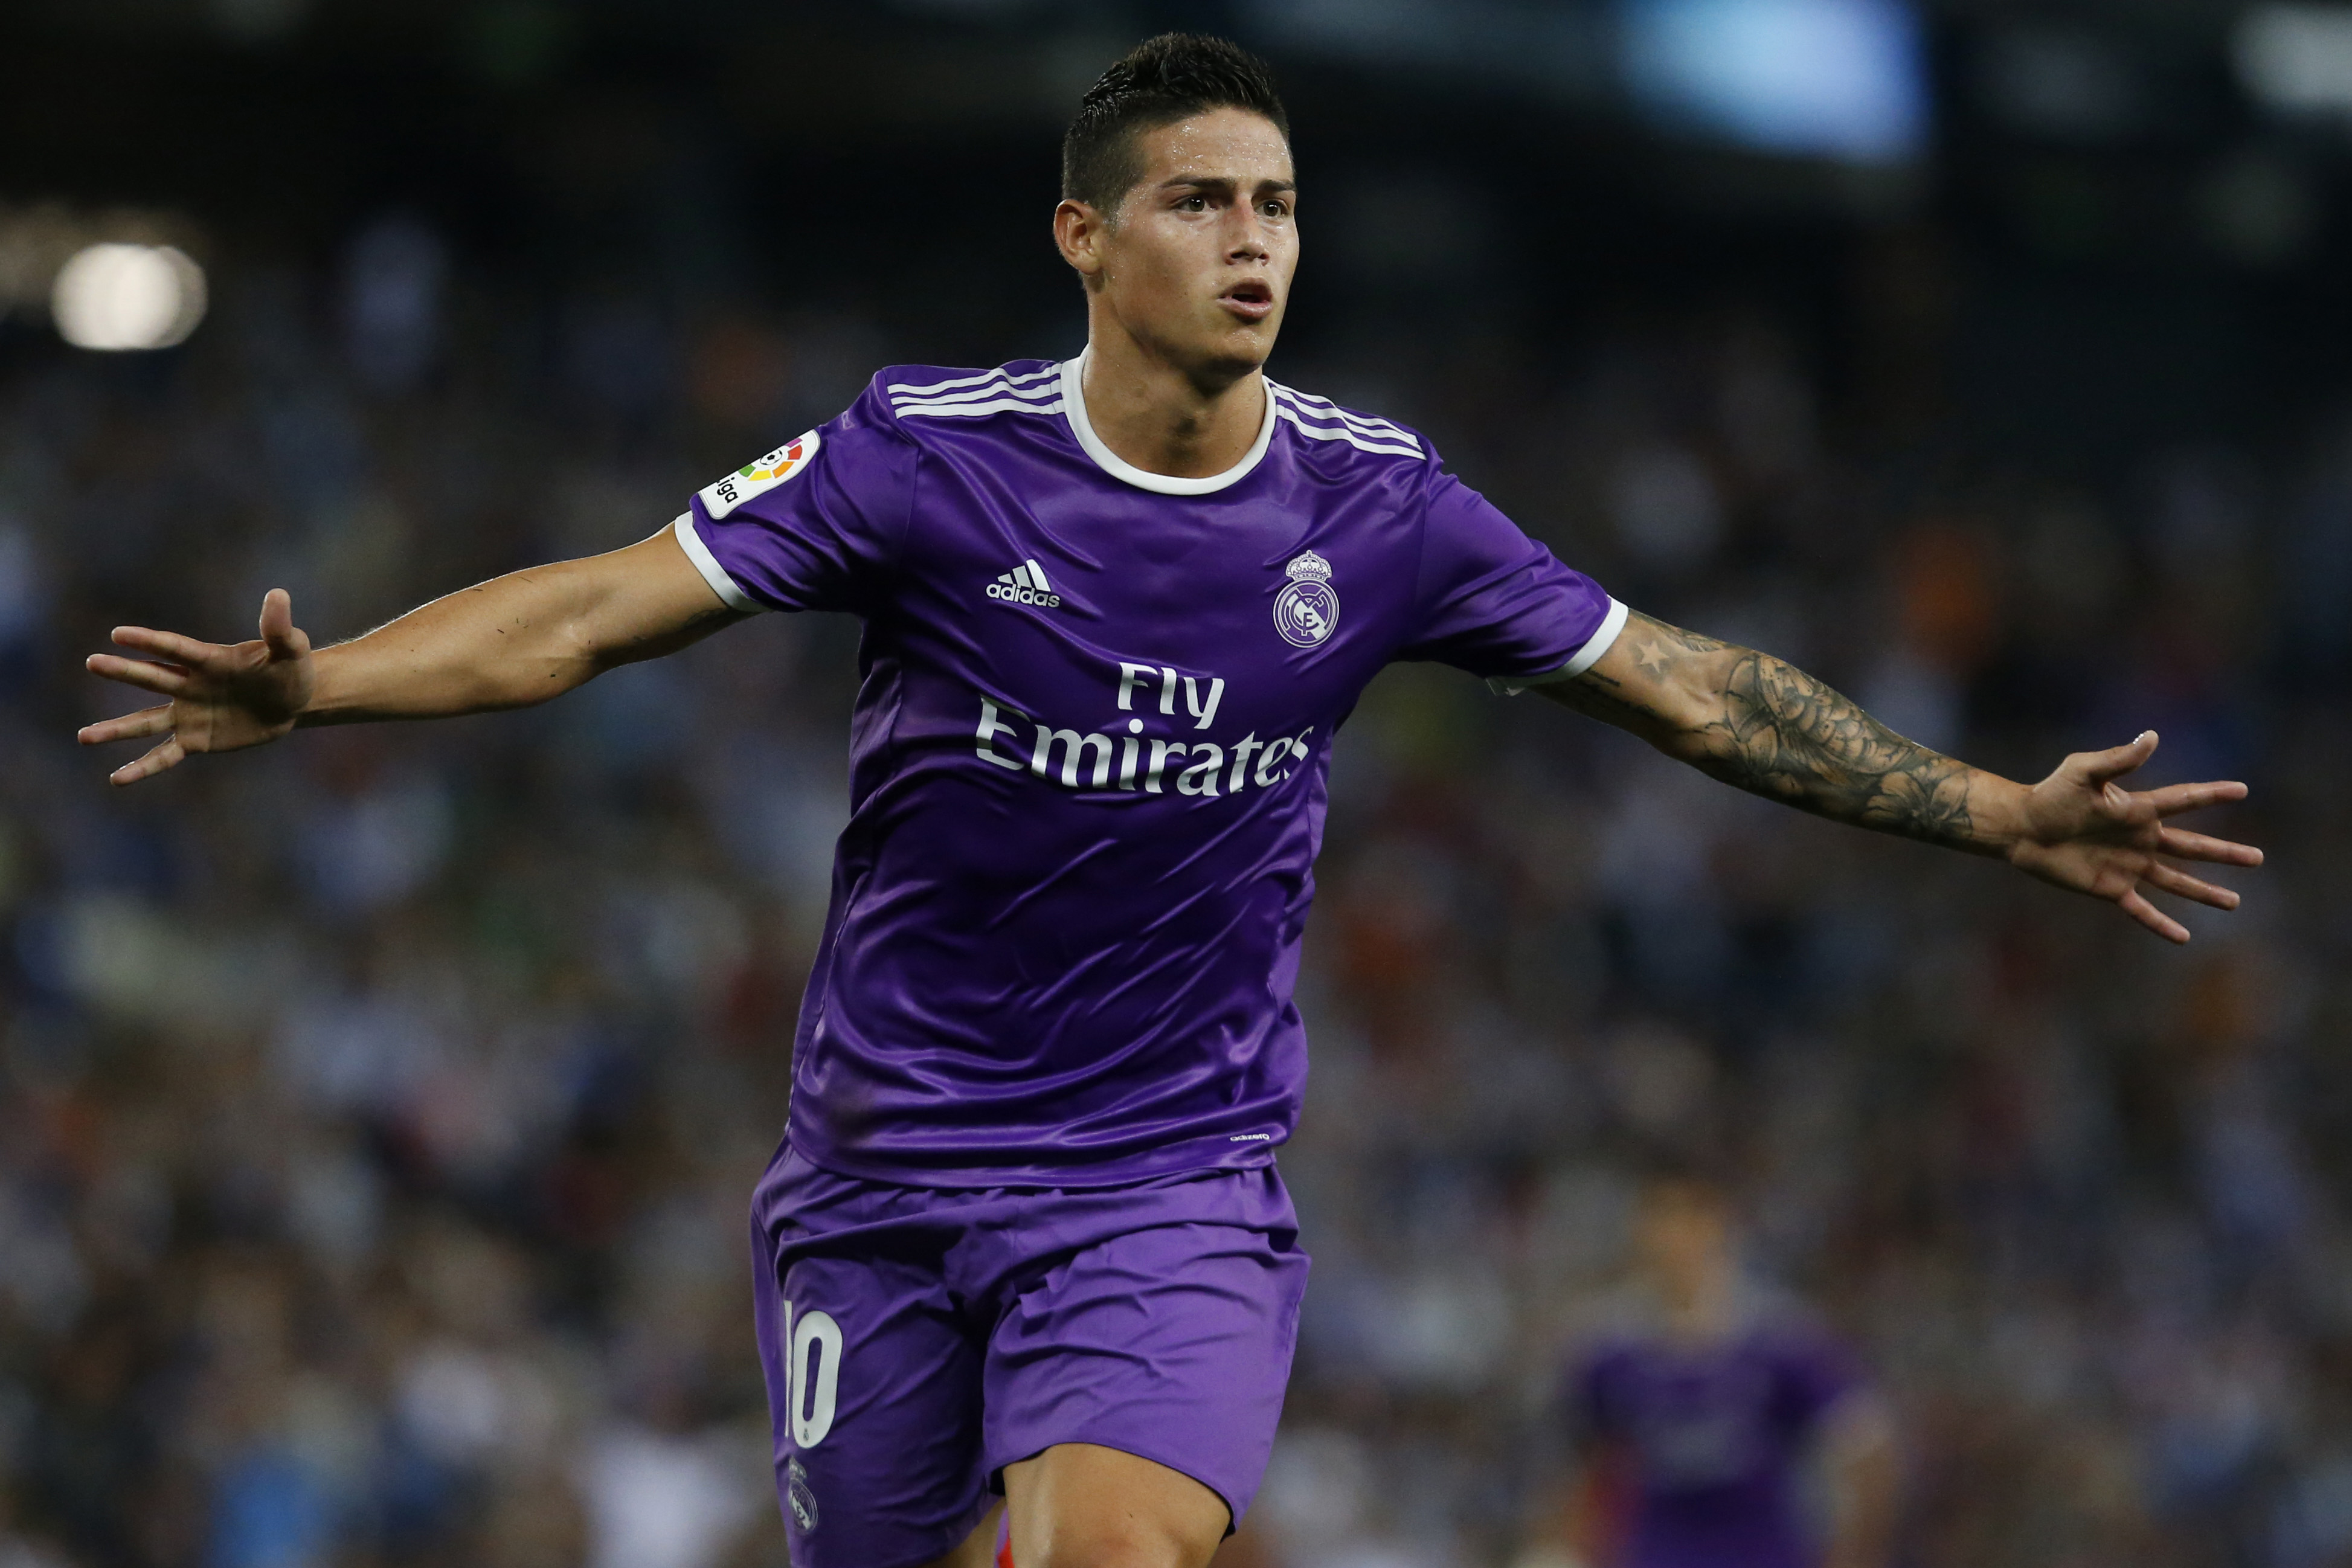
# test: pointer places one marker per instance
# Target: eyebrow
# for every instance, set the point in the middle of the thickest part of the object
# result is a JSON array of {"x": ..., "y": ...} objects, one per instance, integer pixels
[{"x": 1224, "y": 182}]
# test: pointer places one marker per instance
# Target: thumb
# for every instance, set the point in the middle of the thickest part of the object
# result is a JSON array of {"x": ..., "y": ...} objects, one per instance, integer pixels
[
  {"x": 277, "y": 628},
  {"x": 2102, "y": 767}
]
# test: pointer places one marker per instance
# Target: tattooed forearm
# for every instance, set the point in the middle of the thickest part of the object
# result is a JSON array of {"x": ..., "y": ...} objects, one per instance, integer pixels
[
  {"x": 1784, "y": 734},
  {"x": 1759, "y": 723}
]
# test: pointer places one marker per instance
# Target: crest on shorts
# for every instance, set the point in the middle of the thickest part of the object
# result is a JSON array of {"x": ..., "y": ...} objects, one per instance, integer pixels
[
  {"x": 798, "y": 1493},
  {"x": 758, "y": 476},
  {"x": 1307, "y": 610}
]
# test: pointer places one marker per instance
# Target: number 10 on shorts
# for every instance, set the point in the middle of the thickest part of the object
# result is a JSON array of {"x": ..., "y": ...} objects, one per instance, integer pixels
[{"x": 810, "y": 1396}]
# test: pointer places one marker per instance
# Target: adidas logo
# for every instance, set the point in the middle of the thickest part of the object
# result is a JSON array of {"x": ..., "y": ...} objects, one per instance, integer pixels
[{"x": 1025, "y": 584}]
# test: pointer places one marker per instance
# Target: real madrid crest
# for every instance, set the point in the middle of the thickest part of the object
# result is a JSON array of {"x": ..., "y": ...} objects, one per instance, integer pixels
[
  {"x": 1308, "y": 609},
  {"x": 801, "y": 1496}
]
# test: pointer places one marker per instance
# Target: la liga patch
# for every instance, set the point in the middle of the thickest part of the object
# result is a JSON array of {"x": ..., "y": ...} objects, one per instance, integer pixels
[{"x": 758, "y": 476}]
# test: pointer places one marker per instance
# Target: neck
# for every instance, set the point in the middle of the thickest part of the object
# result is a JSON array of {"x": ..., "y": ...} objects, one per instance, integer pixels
[{"x": 1166, "y": 418}]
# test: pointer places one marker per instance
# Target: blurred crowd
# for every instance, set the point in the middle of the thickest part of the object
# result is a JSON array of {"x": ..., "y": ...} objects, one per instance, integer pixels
[{"x": 379, "y": 1111}]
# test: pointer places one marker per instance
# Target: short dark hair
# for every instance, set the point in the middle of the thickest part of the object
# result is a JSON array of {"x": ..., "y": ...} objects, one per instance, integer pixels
[{"x": 1162, "y": 81}]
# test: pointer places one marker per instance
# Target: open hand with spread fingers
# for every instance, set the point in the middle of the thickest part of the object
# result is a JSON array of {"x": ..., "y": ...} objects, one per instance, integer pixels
[
  {"x": 222, "y": 696},
  {"x": 2080, "y": 829},
  {"x": 1762, "y": 724},
  {"x": 512, "y": 642}
]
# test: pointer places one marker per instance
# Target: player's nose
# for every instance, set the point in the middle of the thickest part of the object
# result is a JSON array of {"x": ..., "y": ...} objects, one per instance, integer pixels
[{"x": 1246, "y": 240}]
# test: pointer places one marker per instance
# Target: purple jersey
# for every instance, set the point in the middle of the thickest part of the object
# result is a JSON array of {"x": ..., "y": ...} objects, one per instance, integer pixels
[
  {"x": 1089, "y": 753},
  {"x": 1712, "y": 1434}
]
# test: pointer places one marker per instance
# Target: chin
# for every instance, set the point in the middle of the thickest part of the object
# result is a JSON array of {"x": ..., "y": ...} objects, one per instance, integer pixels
[
  {"x": 1223, "y": 351},
  {"x": 1242, "y": 351}
]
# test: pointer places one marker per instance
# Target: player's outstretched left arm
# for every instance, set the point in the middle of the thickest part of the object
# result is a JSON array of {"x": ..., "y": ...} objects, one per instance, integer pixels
[{"x": 1759, "y": 723}]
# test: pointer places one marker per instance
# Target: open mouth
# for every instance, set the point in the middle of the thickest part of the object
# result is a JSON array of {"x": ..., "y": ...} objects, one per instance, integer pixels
[{"x": 1253, "y": 300}]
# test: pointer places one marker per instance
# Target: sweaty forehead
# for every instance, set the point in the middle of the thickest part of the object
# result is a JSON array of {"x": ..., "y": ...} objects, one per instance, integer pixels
[{"x": 1222, "y": 144}]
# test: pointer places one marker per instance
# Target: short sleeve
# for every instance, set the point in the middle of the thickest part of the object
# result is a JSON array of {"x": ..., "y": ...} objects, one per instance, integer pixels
[
  {"x": 1491, "y": 601},
  {"x": 815, "y": 524}
]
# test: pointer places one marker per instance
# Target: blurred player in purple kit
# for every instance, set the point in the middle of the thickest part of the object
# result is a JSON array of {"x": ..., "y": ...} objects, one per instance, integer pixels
[
  {"x": 1700, "y": 1415},
  {"x": 1024, "y": 1237}
]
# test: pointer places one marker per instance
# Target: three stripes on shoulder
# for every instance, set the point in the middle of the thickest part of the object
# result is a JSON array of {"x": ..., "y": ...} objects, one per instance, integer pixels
[
  {"x": 1332, "y": 423},
  {"x": 1040, "y": 392},
  {"x": 969, "y": 396}
]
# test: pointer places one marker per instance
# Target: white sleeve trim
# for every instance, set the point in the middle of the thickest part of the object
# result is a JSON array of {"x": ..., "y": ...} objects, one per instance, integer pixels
[
  {"x": 707, "y": 565},
  {"x": 1599, "y": 643}
]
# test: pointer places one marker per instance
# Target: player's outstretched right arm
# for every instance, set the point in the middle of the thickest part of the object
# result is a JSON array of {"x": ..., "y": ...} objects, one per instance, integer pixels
[{"x": 507, "y": 643}]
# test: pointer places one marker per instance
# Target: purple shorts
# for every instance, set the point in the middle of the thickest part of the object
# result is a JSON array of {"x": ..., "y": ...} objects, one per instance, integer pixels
[{"x": 936, "y": 1335}]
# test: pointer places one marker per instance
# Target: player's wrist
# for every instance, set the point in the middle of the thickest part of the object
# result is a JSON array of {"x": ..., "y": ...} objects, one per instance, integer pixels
[
  {"x": 2000, "y": 811},
  {"x": 320, "y": 698}
]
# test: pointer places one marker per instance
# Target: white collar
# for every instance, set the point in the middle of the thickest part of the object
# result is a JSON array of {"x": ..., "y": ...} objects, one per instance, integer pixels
[{"x": 1074, "y": 408}]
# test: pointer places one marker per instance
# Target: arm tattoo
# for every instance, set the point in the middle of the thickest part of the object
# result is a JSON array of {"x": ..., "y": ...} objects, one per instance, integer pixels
[
  {"x": 1789, "y": 736},
  {"x": 1774, "y": 731}
]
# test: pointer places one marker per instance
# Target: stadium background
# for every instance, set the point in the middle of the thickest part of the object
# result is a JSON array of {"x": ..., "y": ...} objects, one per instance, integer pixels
[{"x": 377, "y": 1113}]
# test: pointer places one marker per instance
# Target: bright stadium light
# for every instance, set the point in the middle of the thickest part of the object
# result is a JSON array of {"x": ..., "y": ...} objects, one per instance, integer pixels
[
  {"x": 2297, "y": 58},
  {"x": 118, "y": 296},
  {"x": 1834, "y": 78}
]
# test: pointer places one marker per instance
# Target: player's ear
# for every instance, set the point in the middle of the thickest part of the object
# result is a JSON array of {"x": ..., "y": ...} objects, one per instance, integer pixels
[{"x": 1079, "y": 231}]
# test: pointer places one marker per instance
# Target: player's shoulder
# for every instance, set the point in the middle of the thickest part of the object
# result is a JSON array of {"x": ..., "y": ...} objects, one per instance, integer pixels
[
  {"x": 920, "y": 401},
  {"x": 1350, "y": 436}
]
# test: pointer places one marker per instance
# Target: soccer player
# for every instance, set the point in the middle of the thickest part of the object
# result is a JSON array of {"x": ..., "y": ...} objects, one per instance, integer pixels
[
  {"x": 1025, "y": 1231},
  {"x": 1695, "y": 1419}
]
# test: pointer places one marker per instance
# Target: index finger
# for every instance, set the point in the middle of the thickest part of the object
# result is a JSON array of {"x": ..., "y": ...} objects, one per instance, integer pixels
[
  {"x": 167, "y": 645},
  {"x": 2174, "y": 799}
]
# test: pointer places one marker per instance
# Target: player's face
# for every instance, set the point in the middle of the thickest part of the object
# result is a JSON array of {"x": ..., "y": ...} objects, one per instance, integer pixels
[{"x": 1197, "y": 265}]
